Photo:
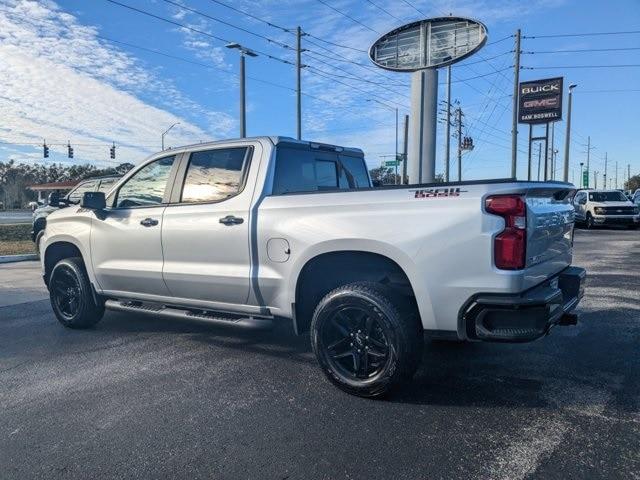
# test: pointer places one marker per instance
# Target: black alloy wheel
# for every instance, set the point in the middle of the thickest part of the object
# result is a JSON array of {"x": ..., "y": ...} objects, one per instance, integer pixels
[
  {"x": 366, "y": 339},
  {"x": 355, "y": 343},
  {"x": 66, "y": 292},
  {"x": 72, "y": 298}
]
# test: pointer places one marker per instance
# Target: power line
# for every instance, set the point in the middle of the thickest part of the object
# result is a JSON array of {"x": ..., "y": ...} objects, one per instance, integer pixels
[
  {"x": 464, "y": 64},
  {"x": 609, "y": 91},
  {"x": 414, "y": 7},
  {"x": 336, "y": 44},
  {"x": 204, "y": 65},
  {"x": 581, "y": 66},
  {"x": 224, "y": 22},
  {"x": 250, "y": 15},
  {"x": 499, "y": 40},
  {"x": 383, "y": 100},
  {"x": 583, "y": 50},
  {"x": 385, "y": 11},
  {"x": 589, "y": 34},
  {"x": 195, "y": 30},
  {"x": 348, "y": 16}
]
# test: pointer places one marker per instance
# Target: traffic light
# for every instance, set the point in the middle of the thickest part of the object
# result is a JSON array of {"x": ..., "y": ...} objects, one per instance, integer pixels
[
  {"x": 69, "y": 150},
  {"x": 112, "y": 151},
  {"x": 45, "y": 150}
]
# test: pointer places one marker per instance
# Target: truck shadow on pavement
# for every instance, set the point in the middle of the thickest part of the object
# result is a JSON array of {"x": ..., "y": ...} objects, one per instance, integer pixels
[{"x": 575, "y": 359}]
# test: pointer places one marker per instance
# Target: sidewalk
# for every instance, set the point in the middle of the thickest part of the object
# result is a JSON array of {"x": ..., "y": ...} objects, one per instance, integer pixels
[{"x": 21, "y": 282}]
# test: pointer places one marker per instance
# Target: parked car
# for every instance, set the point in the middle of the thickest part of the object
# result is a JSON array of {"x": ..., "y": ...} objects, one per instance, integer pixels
[
  {"x": 40, "y": 214},
  {"x": 636, "y": 195},
  {"x": 605, "y": 207},
  {"x": 251, "y": 231}
]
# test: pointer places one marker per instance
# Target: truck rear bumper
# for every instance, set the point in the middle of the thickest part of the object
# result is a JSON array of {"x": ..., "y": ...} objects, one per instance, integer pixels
[{"x": 526, "y": 316}]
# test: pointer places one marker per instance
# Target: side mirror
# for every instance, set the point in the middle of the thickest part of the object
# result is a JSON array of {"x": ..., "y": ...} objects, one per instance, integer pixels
[
  {"x": 583, "y": 201},
  {"x": 93, "y": 201},
  {"x": 54, "y": 199}
]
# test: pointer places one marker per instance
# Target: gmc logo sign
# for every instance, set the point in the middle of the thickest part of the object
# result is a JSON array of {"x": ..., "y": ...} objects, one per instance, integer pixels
[{"x": 541, "y": 103}]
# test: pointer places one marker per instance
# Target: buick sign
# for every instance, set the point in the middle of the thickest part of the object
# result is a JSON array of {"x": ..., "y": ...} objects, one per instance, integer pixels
[{"x": 540, "y": 101}]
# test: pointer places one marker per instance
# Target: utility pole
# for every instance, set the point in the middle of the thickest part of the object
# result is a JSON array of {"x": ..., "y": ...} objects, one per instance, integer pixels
[
  {"x": 447, "y": 133},
  {"x": 588, "y": 155},
  {"x": 299, "y": 83},
  {"x": 605, "y": 170},
  {"x": 514, "y": 122},
  {"x": 628, "y": 176},
  {"x": 539, "y": 158},
  {"x": 395, "y": 178},
  {"x": 459, "y": 124},
  {"x": 616, "y": 174},
  {"x": 568, "y": 135},
  {"x": 553, "y": 164},
  {"x": 405, "y": 149},
  {"x": 595, "y": 179}
]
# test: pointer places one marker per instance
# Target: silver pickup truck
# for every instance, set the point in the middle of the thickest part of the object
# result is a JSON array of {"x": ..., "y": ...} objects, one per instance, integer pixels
[{"x": 251, "y": 231}]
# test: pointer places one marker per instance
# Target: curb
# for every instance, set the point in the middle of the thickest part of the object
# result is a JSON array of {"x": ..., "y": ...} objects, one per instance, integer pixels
[{"x": 18, "y": 258}]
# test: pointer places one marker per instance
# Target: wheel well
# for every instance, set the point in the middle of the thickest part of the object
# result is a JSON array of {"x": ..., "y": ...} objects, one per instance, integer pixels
[
  {"x": 39, "y": 224},
  {"x": 328, "y": 271},
  {"x": 56, "y": 252}
]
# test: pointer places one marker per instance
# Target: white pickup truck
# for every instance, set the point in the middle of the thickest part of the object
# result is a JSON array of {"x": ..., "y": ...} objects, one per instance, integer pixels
[{"x": 250, "y": 231}]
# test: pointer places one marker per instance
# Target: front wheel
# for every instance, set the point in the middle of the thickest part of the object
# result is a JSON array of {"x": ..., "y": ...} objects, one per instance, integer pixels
[
  {"x": 366, "y": 340},
  {"x": 589, "y": 221},
  {"x": 71, "y": 296}
]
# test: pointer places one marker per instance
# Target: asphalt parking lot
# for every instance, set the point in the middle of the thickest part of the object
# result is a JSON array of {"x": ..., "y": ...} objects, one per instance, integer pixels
[{"x": 138, "y": 397}]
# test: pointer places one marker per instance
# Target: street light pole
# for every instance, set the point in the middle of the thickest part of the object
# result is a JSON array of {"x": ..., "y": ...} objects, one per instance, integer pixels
[
  {"x": 567, "y": 135},
  {"x": 244, "y": 52},
  {"x": 166, "y": 131}
]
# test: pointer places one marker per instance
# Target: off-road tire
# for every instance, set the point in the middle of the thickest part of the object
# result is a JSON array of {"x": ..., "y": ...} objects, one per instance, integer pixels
[
  {"x": 396, "y": 322},
  {"x": 71, "y": 295}
]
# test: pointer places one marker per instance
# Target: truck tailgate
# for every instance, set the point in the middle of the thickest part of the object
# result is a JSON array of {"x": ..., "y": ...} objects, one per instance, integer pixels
[{"x": 549, "y": 232}]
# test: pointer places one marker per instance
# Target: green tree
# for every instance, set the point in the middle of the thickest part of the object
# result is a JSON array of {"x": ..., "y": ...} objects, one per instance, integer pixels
[{"x": 633, "y": 183}]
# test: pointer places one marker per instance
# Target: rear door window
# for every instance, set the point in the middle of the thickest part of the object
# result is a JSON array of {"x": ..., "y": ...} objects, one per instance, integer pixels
[
  {"x": 300, "y": 170},
  {"x": 214, "y": 175}
]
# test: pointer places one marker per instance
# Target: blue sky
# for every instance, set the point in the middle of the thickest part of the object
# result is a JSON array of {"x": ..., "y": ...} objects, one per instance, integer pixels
[{"x": 66, "y": 77}]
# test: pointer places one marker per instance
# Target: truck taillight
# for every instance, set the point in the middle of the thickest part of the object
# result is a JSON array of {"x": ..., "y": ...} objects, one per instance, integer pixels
[{"x": 509, "y": 246}]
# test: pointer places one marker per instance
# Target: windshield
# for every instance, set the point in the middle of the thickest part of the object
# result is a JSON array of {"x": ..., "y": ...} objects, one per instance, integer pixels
[
  {"x": 607, "y": 197},
  {"x": 76, "y": 195},
  {"x": 106, "y": 184}
]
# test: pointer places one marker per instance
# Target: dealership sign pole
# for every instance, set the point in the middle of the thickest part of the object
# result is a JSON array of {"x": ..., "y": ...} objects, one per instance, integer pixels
[
  {"x": 540, "y": 102},
  {"x": 422, "y": 47}
]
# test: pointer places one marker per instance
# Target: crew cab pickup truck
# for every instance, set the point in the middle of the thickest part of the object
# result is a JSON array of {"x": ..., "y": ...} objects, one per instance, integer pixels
[{"x": 252, "y": 231}]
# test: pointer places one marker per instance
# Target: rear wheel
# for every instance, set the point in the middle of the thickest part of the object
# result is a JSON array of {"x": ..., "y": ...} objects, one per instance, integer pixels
[
  {"x": 366, "y": 340},
  {"x": 71, "y": 295}
]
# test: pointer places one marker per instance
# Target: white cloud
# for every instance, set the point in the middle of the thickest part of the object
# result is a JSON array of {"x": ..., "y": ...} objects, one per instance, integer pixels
[{"x": 61, "y": 81}]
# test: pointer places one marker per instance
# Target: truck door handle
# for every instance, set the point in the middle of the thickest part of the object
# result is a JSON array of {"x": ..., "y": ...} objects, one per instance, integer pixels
[
  {"x": 149, "y": 222},
  {"x": 231, "y": 220}
]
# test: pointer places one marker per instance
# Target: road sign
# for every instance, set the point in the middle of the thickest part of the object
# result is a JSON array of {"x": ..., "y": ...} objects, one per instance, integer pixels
[
  {"x": 391, "y": 163},
  {"x": 430, "y": 43},
  {"x": 540, "y": 101},
  {"x": 585, "y": 179}
]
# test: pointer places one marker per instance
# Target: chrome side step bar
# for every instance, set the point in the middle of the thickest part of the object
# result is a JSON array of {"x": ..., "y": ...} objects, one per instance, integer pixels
[{"x": 175, "y": 313}]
